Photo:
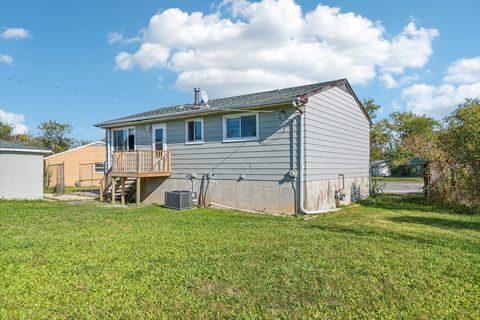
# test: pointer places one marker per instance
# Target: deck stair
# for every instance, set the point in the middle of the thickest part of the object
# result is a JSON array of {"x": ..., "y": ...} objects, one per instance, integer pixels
[{"x": 130, "y": 188}]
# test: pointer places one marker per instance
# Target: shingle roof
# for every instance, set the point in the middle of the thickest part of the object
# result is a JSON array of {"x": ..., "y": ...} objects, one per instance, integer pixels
[
  {"x": 21, "y": 146},
  {"x": 247, "y": 100}
]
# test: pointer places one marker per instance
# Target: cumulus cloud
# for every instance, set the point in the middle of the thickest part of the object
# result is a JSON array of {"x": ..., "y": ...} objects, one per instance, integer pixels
[
  {"x": 410, "y": 49},
  {"x": 17, "y": 120},
  {"x": 15, "y": 33},
  {"x": 461, "y": 81},
  {"x": 388, "y": 81},
  {"x": 247, "y": 46},
  {"x": 5, "y": 58},
  {"x": 464, "y": 71}
]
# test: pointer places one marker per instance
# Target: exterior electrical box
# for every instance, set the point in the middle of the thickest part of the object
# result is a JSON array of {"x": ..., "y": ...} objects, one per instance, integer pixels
[{"x": 179, "y": 200}]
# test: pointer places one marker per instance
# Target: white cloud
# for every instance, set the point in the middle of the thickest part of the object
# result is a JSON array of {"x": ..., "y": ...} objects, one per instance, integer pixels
[
  {"x": 410, "y": 49},
  {"x": 248, "y": 46},
  {"x": 461, "y": 81},
  {"x": 17, "y": 120},
  {"x": 5, "y": 58},
  {"x": 388, "y": 81},
  {"x": 15, "y": 33},
  {"x": 116, "y": 37},
  {"x": 464, "y": 71},
  {"x": 148, "y": 56}
]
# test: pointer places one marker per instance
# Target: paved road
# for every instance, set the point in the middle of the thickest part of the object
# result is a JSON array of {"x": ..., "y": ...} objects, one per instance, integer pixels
[{"x": 399, "y": 187}]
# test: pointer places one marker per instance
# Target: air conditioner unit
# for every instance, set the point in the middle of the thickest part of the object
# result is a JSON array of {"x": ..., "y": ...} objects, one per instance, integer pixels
[{"x": 179, "y": 200}]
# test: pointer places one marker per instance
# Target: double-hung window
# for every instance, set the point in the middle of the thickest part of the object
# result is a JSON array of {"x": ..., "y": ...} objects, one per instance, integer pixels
[
  {"x": 240, "y": 127},
  {"x": 98, "y": 167},
  {"x": 194, "y": 131}
]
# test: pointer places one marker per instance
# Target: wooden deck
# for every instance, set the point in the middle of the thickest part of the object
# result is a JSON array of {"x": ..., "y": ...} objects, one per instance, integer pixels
[
  {"x": 134, "y": 164},
  {"x": 141, "y": 164}
]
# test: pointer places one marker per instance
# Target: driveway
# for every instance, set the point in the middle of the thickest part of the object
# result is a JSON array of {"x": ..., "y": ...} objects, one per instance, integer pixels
[{"x": 401, "y": 187}]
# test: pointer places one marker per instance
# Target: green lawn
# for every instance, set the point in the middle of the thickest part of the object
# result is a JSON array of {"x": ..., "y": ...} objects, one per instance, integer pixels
[
  {"x": 384, "y": 259},
  {"x": 69, "y": 190},
  {"x": 400, "y": 179}
]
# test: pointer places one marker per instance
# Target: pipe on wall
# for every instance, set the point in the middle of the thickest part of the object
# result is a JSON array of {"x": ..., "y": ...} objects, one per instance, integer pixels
[{"x": 302, "y": 167}]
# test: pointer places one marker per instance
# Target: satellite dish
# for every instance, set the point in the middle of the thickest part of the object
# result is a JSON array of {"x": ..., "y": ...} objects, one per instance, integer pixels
[{"x": 204, "y": 97}]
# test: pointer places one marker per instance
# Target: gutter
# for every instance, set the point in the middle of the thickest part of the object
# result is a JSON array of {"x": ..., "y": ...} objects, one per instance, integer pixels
[{"x": 184, "y": 114}]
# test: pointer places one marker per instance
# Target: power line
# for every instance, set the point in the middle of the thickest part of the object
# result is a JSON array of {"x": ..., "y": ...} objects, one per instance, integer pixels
[{"x": 81, "y": 91}]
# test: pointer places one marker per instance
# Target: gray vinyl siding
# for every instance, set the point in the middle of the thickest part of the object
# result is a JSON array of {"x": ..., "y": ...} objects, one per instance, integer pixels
[
  {"x": 336, "y": 136},
  {"x": 268, "y": 159}
]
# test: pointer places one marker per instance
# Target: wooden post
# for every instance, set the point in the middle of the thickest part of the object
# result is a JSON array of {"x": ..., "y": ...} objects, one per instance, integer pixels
[
  {"x": 123, "y": 192},
  {"x": 137, "y": 197},
  {"x": 137, "y": 154},
  {"x": 101, "y": 189},
  {"x": 113, "y": 190}
]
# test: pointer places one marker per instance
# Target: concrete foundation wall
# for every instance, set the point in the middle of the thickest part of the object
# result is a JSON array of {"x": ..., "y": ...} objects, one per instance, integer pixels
[
  {"x": 320, "y": 194},
  {"x": 263, "y": 196}
]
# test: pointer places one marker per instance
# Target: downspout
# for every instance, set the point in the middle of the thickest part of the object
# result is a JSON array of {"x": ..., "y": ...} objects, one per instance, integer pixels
[
  {"x": 108, "y": 148},
  {"x": 301, "y": 198}
]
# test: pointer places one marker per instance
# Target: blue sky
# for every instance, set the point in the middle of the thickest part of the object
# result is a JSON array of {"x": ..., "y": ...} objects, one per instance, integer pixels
[{"x": 409, "y": 55}]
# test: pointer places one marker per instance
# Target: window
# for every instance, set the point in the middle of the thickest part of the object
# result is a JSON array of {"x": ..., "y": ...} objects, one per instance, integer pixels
[
  {"x": 124, "y": 139},
  {"x": 240, "y": 127},
  {"x": 194, "y": 131},
  {"x": 99, "y": 167}
]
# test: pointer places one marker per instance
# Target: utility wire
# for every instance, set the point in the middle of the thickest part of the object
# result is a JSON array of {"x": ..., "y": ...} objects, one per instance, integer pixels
[{"x": 81, "y": 91}]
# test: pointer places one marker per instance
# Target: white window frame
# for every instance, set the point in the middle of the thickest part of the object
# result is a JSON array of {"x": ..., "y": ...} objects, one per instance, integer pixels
[
  {"x": 239, "y": 115},
  {"x": 186, "y": 131},
  {"x": 156, "y": 126},
  {"x": 95, "y": 168},
  {"x": 124, "y": 129}
]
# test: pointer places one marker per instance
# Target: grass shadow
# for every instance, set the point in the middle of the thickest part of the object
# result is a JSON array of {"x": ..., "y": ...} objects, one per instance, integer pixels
[
  {"x": 418, "y": 239},
  {"x": 414, "y": 202},
  {"x": 438, "y": 222}
]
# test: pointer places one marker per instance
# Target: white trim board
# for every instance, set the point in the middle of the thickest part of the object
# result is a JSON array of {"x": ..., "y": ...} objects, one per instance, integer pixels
[{"x": 26, "y": 151}]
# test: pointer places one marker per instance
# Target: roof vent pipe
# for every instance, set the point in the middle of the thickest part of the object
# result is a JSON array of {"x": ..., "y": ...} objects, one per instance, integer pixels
[{"x": 197, "y": 96}]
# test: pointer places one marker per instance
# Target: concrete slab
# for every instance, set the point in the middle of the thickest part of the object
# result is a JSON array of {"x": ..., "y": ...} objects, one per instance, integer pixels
[
  {"x": 67, "y": 197},
  {"x": 399, "y": 187}
]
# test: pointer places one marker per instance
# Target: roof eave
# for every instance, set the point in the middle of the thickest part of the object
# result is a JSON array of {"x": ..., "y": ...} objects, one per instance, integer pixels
[
  {"x": 186, "y": 114},
  {"x": 350, "y": 90},
  {"x": 73, "y": 149},
  {"x": 26, "y": 150}
]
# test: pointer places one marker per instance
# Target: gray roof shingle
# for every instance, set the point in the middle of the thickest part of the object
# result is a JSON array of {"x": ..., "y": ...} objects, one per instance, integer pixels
[{"x": 247, "y": 100}]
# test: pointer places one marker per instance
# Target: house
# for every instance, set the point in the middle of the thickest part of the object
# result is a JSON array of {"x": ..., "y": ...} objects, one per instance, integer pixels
[
  {"x": 21, "y": 171},
  {"x": 300, "y": 149},
  {"x": 81, "y": 166},
  {"x": 380, "y": 168}
]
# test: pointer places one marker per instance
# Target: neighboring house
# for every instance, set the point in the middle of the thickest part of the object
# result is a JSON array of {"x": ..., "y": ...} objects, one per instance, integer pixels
[
  {"x": 81, "y": 166},
  {"x": 380, "y": 168},
  {"x": 416, "y": 166},
  {"x": 21, "y": 171},
  {"x": 302, "y": 149}
]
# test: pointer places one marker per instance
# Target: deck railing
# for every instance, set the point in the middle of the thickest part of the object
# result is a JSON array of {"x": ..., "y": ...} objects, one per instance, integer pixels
[{"x": 141, "y": 162}]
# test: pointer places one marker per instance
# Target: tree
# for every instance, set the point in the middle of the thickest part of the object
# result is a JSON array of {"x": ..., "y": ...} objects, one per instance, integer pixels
[
  {"x": 371, "y": 107},
  {"x": 6, "y": 131},
  {"x": 462, "y": 135},
  {"x": 380, "y": 140},
  {"x": 407, "y": 123},
  {"x": 380, "y": 134},
  {"x": 55, "y": 136}
]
